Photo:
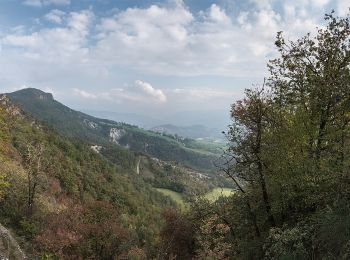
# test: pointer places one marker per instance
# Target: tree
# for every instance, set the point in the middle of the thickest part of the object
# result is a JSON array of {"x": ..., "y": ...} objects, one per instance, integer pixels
[
  {"x": 176, "y": 237},
  {"x": 310, "y": 82},
  {"x": 212, "y": 239},
  {"x": 245, "y": 163},
  {"x": 5, "y": 150},
  {"x": 33, "y": 162},
  {"x": 312, "y": 76},
  {"x": 289, "y": 147},
  {"x": 92, "y": 231}
]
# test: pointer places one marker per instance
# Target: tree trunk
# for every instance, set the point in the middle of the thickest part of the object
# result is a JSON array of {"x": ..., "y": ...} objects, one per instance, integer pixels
[{"x": 266, "y": 200}]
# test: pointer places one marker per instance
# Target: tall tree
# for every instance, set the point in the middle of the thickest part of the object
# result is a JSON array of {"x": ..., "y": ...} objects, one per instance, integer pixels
[
  {"x": 33, "y": 162},
  {"x": 312, "y": 76},
  {"x": 289, "y": 146},
  {"x": 246, "y": 135}
]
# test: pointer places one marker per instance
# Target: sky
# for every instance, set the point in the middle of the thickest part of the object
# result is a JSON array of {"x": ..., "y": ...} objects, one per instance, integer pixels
[{"x": 148, "y": 57}]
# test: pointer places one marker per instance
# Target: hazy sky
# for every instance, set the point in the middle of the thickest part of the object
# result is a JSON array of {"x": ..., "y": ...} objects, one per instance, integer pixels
[{"x": 147, "y": 56}]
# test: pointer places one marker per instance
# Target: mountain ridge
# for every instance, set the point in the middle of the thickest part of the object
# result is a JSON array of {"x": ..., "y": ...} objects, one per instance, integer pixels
[
  {"x": 48, "y": 182},
  {"x": 105, "y": 132}
]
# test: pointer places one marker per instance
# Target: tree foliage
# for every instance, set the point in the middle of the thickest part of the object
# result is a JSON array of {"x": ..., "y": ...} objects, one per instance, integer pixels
[{"x": 289, "y": 157}]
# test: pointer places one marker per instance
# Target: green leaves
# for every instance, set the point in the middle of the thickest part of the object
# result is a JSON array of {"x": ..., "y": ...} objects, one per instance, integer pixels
[{"x": 289, "y": 153}]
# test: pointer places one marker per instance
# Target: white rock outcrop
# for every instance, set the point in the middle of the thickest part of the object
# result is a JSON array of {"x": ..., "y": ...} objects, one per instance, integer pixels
[
  {"x": 115, "y": 134},
  {"x": 96, "y": 148}
]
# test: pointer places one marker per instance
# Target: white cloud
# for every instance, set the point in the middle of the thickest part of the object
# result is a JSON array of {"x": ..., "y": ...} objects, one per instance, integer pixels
[
  {"x": 49, "y": 55},
  {"x": 343, "y": 7},
  {"x": 83, "y": 94},
  {"x": 204, "y": 94},
  {"x": 141, "y": 91},
  {"x": 148, "y": 89},
  {"x": 218, "y": 15},
  {"x": 171, "y": 40},
  {"x": 320, "y": 3},
  {"x": 164, "y": 39},
  {"x": 57, "y": 45},
  {"x": 263, "y": 4},
  {"x": 55, "y": 16},
  {"x": 40, "y": 3}
]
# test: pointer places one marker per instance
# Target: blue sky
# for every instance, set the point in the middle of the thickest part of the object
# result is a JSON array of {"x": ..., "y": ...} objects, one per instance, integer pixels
[{"x": 147, "y": 57}]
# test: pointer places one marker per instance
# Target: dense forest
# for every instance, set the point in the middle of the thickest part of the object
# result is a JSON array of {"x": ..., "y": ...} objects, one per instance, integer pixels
[{"x": 288, "y": 157}]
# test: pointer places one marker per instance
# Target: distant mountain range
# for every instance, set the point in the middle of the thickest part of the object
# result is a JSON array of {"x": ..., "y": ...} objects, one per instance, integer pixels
[
  {"x": 104, "y": 132},
  {"x": 212, "y": 119},
  {"x": 195, "y": 131},
  {"x": 190, "y": 124},
  {"x": 143, "y": 121}
]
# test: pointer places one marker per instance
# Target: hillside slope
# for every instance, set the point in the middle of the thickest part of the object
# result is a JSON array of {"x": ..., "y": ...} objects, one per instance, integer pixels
[
  {"x": 103, "y": 132},
  {"x": 63, "y": 200}
]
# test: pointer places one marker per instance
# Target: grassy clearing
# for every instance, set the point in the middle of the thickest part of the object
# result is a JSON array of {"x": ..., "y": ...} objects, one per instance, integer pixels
[
  {"x": 175, "y": 196},
  {"x": 216, "y": 193},
  {"x": 212, "y": 196}
]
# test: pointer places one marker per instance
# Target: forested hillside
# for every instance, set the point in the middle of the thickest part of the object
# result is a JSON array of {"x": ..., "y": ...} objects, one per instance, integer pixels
[
  {"x": 102, "y": 132},
  {"x": 64, "y": 200}
]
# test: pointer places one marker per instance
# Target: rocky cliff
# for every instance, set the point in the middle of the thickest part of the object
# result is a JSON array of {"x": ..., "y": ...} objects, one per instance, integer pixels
[{"x": 9, "y": 248}]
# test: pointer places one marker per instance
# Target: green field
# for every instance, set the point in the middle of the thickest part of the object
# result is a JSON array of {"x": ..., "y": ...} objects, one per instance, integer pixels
[
  {"x": 175, "y": 196},
  {"x": 216, "y": 193},
  {"x": 212, "y": 196}
]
